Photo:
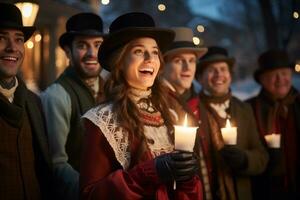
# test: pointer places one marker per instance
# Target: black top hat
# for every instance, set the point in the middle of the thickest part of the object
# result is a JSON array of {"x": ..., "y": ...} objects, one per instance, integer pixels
[
  {"x": 11, "y": 17},
  {"x": 184, "y": 42},
  {"x": 214, "y": 54},
  {"x": 128, "y": 27},
  {"x": 88, "y": 24},
  {"x": 270, "y": 60}
]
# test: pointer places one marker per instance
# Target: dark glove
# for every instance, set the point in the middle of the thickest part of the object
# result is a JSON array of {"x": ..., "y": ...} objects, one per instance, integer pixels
[
  {"x": 275, "y": 165},
  {"x": 179, "y": 166},
  {"x": 235, "y": 158}
]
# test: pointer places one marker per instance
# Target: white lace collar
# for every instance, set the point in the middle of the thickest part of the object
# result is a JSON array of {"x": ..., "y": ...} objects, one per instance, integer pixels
[
  {"x": 157, "y": 138},
  {"x": 117, "y": 137}
]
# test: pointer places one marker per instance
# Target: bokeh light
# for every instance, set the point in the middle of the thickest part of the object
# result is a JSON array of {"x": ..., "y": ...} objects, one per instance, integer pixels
[
  {"x": 105, "y": 2},
  {"x": 29, "y": 44},
  {"x": 161, "y": 7},
  {"x": 200, "y": 28},
  {"x": 196, "y": 40}
]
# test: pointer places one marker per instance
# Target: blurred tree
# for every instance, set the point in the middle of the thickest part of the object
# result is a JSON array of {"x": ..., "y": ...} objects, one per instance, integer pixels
[
  {"x": 265, "y": 24},
  {"x": 246, "y": 28},
  {"x": 177, "y": 13},
  {"x": 278, "y": 21}
]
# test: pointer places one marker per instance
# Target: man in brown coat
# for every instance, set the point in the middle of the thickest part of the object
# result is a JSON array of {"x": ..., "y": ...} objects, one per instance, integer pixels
[
  {"x": 24, "y": 160},
  {"x": 277, "y": 112},
  {"x": 231, "y": 160}
]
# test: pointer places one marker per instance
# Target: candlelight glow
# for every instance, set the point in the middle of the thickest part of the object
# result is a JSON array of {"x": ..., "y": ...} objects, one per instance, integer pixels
[
  {"x": 185, "y": 136},
  {"x": 229, "y": 133},
  {"x": 273, "y": 140},
  {"x": 228, "y": 125},
  {"x": 185, "y": 121}
]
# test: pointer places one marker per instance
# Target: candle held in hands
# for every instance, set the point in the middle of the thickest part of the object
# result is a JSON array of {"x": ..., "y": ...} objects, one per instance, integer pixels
[
  {"x": 185, "y": 137},
  {"x": 229, "y": 133},
  {"x": 273, "y": 140}
]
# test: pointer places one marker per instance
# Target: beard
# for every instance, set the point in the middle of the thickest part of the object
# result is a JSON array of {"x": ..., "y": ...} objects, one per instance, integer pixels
[{"x": 86, "y": 72}]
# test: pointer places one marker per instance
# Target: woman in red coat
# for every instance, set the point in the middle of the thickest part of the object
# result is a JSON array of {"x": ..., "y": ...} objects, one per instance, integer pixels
[{"x": 129, "y": 143}]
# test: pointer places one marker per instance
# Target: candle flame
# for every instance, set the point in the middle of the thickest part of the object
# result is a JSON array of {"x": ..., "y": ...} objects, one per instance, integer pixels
[
  {"x": 228, "y": 125},
  {"x": 185, "y": 121}
]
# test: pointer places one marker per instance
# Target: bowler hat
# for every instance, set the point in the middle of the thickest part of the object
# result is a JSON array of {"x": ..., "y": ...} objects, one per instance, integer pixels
[
  {"x": 214, "y": 54},
  {"x": 184, "y": 42},
  {"x": 128, "y": 27},
  {"x": 11, "y": 18},
  {"x": 88, "y": 24},
  {"x": 270, "y": 60}
]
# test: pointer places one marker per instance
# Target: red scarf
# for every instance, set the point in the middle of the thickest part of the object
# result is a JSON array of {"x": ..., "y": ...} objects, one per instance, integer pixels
[
  {"x": 212, "y": 142},
  {"x": 281, "y": 120}
]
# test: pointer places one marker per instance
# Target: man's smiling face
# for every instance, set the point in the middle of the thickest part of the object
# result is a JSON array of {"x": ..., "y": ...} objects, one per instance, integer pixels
[{"x": 11, "y": 53}]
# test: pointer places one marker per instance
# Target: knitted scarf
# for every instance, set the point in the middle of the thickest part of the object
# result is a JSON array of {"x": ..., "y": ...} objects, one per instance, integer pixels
[
  {"x": 225, "y": 189},
  {"x": 95, "y": 86}
]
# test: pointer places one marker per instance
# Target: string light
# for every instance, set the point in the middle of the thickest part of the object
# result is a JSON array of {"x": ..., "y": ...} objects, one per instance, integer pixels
[
  {"x": 196, "y": 40},
  {"x": 296, "y": 15},
  {"x": 105, "y": 2},
  {"x": 161, "y": 7},
  {"x": 297, "y": 68},
  {"x": 37, "y": 37},
  {"x": 30, "y": 44},
  {"x": 200, "y": 28}
]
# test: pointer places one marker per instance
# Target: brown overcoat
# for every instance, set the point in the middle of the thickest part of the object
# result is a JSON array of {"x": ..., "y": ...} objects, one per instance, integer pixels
[
  {"x": 24, "y": 145},
  {"x": 247, "y": 140}
]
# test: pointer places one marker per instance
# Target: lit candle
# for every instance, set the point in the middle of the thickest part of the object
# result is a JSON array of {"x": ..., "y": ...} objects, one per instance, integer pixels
[
  {"x": 185, "y": 137},
  {"x": 273, "y": 140},
  {"x": 229, "y": 133}
]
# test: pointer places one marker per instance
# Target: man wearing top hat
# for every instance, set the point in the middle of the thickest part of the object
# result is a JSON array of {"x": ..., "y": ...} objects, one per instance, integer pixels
[
  {"x": 232, "y": 160},
  {"x": 277, "y": 111},
  {"x": 25, "y": 165},
  {"x": 79, "y": 88}
]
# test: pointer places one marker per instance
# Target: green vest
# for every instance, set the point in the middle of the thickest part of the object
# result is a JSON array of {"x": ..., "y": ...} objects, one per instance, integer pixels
[{"x": 82, "y": 100}]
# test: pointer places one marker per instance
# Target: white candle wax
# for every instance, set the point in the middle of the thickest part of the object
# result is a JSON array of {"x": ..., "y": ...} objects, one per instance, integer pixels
[
  {"x": 273, "y": 140},
  {"x": 229, "y": 133},
  {"x": 185, "y": 137}
]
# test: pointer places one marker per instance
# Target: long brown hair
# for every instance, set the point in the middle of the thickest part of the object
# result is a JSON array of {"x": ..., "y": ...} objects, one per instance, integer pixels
[{"x": 117, "y": 89}]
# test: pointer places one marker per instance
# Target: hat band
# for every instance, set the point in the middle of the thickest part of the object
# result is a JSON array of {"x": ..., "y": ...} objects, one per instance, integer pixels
[
  {"x": 180, "y": 44},
  {"x": 10, "y": 24},
  {"x": 86, "y": 32},
  {"x": 215, "y": 57},
  {"x": 272, "y": 64}
]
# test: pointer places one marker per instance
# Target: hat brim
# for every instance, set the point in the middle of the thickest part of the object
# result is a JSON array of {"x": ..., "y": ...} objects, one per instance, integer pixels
[
  {"x": 258, "y": 72},
  {"x": 66, "y": 37},
  {"x": 27, "y": 30},
  {"x": 114, "y": 41},
  {"x": 230, "y": 61},
  {"x": 198, "y": 51}
]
